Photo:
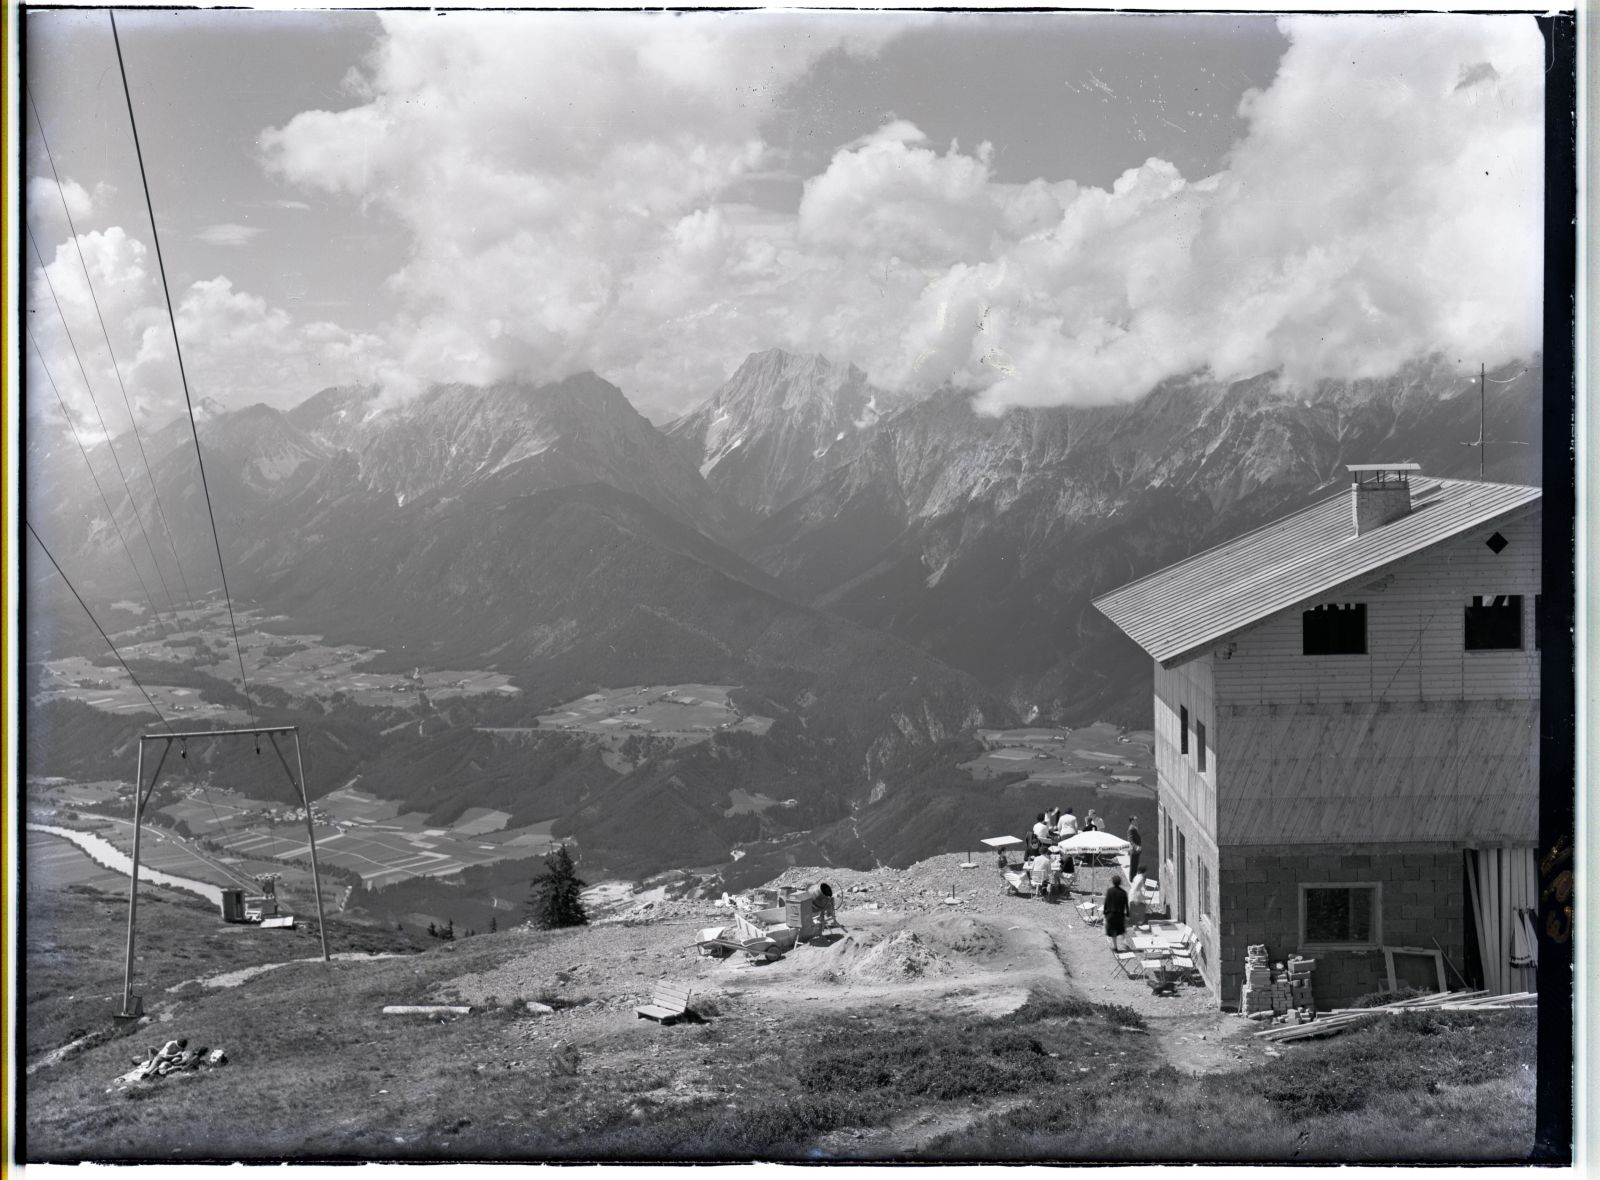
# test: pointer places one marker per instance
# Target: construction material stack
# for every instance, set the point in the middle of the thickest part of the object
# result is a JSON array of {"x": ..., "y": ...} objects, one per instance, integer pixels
[
  {"x": 1279, "y": 992},
  {"x": 1300, "y": 993},
  {"x": 1255, "y": 997}
]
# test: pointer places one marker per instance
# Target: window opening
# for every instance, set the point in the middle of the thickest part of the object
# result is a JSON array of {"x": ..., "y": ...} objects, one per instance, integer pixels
[
  {"x": 1339, "y": 915},
  {"x": 1335, "y": 629},
  {"x": 1494, "y": 623}
]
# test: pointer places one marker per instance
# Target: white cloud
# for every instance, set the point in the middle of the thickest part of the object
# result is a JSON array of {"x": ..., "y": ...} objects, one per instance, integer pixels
[
  {"x": 237, "y": 348},
  {"x": 45, "y": 199},
  {"x": 228, "y": 234},
  {"x": 563, "y": 179}
]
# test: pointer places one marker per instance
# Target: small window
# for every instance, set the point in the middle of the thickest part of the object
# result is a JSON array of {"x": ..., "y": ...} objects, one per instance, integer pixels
[
  {"x": 1205, "y": 889},
  {"x": 1200, "y": 744},
  {"x": 1337, "y": 629},
  {"x": 1183, "y": 730},
  {"x": 1339, "y": 915},
  {"x": 1494, "y": 623}
]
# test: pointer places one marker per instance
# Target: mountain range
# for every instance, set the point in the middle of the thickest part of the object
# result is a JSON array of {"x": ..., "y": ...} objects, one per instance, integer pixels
[{"x": 880, "y": 573}]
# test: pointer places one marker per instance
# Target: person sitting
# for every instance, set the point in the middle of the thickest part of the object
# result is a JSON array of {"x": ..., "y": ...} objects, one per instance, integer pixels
[
  {"x": 1039, "y": 874},
  {"x": 1091, "y": 822},
  {"x": 1067, "y": 825},
  {"x": 1041, "y": 830},
  {"x": 1068, "y": 870}
]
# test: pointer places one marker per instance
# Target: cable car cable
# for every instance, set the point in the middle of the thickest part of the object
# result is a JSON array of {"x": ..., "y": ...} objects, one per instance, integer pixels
[
  {"x": 95, "y": 402},
  {"x": 96, "y": 622},
  {"x": 166, "y": 290},
  {"x": 127, "y": 402},
  {"x": 82, "y": 450}
]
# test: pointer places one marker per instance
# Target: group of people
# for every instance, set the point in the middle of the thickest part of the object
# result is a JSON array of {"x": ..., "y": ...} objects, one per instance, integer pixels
[{"x": 1055, "y": 825}]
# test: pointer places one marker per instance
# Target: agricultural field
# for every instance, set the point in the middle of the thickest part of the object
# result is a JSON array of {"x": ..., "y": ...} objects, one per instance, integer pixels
[
  {"x": 1098, "y": 757},
  {"x": 686, "y": 713},
  {"x": 301, "y": 665},
  {"x": 367, "y": 835},
  {"x": 111, "y": 690}
]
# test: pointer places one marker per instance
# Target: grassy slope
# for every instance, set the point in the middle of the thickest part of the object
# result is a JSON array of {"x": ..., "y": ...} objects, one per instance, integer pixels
[{"x": 318, "y": 1071}]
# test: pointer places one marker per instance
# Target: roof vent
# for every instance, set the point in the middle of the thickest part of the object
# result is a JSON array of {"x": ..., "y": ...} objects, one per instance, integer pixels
[{"x": 1379, "y": 493}]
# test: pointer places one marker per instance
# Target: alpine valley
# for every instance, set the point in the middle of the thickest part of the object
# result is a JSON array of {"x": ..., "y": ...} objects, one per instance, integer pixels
[{"x": 878, "y": 575}]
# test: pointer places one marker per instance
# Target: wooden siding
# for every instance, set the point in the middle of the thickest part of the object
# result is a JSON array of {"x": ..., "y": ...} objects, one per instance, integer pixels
[
  {"x": 1465, "y": 772},
  {"x": 1415, "y": 633},
  {"x": 1184, "y": 790}
]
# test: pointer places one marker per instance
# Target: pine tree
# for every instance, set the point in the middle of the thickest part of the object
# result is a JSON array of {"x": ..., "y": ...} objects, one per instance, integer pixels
[
  {"x": 556, "y": 898},
  {"x": 449, "y": 934},
  {"x": 494, "y": 924},
  {"x": 433, "y": 931}
]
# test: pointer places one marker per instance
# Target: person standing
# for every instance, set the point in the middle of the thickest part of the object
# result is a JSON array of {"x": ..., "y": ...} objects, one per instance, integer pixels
[
  {"x": 1135, "y": 846},
  {"x": 1114, "y": 908},
  {"x": 1138, "y": 901}
]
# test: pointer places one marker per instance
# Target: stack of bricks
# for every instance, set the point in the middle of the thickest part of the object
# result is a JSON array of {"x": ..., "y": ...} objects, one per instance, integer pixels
[
  {"x": 1299, "y": 979},
  {"x": 1255, "y": 997},
  {"x": 1281, "y": 993}
]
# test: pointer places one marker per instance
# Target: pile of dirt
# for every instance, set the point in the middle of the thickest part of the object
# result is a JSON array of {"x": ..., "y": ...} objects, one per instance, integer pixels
[{"x": 902, "y": 955}]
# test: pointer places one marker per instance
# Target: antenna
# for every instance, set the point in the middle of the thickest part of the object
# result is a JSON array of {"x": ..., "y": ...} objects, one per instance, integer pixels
[{"x": 1483, "y": 420}]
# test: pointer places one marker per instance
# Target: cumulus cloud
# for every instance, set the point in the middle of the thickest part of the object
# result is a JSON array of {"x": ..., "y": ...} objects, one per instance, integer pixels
[
  {"x": 236, "y": 347},
  {"x": 563, "y": 179},
  {"x": 46, "y": 199}
]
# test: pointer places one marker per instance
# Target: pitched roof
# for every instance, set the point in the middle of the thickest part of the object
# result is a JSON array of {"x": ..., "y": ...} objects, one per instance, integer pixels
[{"x": 1176, "y": 611}]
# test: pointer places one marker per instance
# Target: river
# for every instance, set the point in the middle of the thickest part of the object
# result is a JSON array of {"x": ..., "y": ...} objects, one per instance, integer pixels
[{"x": 109, "y": 856}]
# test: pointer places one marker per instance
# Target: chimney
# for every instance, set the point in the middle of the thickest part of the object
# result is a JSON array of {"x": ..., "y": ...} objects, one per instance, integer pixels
[{"x": 1379, "y": 493}]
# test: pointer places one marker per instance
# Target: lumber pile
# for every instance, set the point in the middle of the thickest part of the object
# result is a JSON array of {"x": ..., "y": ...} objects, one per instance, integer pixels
[
  {"x": 1282, "y": 993},
  {"x": 1339, "y": 1019}
]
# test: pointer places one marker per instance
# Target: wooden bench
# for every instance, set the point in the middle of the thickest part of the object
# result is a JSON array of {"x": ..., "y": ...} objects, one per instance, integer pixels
[{"x": 669, "y": 1002}]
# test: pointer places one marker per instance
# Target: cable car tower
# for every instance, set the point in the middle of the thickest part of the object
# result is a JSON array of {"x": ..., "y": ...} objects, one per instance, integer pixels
[{"x": 132, "y": 1005}]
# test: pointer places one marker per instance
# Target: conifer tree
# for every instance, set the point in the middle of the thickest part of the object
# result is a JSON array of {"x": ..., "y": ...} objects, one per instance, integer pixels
[{"x": 556, "y": 898}]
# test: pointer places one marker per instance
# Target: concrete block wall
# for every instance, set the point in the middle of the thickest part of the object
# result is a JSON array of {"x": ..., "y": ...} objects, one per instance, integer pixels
[{"x": 1421, "y": 900}]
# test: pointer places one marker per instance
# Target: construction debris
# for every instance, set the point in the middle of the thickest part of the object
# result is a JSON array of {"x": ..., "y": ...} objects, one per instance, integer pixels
[{"x": 1341, "y": 1018}]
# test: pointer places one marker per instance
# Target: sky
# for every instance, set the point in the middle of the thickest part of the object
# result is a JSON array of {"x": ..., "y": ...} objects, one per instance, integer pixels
[{"x": 1042, "y": 208}]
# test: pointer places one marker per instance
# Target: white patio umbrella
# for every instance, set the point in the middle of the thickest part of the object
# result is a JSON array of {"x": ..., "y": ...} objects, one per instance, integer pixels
[{"x": 1094, "y": 845}]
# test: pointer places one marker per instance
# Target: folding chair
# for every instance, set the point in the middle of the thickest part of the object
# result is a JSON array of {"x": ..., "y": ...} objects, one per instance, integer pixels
[
  {"x": 1184, "y": 963},
  {"x": 1127, "y": 962},
  {"x": 1090, "y": 913}
]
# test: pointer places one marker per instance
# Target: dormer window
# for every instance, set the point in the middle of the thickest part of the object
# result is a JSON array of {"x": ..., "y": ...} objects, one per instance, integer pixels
[{"x": 1335, "y": 629}]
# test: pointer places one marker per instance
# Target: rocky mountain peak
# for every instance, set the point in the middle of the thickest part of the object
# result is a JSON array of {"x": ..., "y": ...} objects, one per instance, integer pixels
[{"x": 779, "y": 423}]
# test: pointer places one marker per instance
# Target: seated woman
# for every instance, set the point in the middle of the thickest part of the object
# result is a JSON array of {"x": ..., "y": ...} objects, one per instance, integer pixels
[
  {"x": 1039, "y": 874},
  {"x": 1069, "y": 867}
]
